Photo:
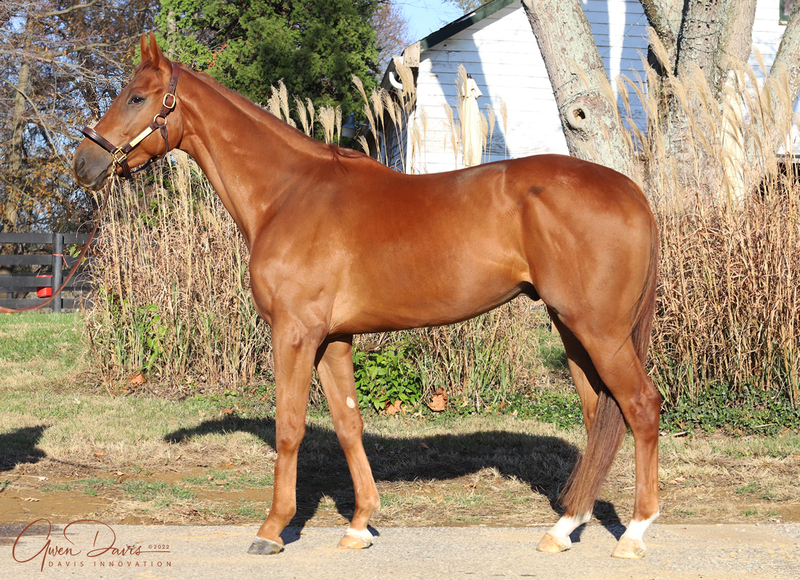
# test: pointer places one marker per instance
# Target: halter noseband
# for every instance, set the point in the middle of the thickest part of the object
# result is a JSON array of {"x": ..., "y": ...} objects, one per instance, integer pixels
[{"x": 120, "y": 154}]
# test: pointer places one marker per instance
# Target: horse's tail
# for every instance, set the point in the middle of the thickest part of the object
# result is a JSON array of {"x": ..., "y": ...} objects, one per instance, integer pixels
[
  {"x": 643, "y": 321},
  {"x": 608, "y": 427}
]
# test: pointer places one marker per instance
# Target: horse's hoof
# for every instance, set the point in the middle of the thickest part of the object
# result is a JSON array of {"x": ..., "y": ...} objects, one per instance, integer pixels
[
  {"x": 629, "y": 548},
  {"x": 356, "y": 539},
  {"x": 261, "y": 547},
  {"x": 552, "y": 545}
]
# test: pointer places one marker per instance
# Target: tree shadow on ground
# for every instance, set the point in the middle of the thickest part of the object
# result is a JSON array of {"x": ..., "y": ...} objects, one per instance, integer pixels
[
  {"x": 541, "y": 462},
  {"x": 19, "y": 446}
]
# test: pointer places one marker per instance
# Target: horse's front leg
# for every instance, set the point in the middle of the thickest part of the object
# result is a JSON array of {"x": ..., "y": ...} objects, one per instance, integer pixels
[
  {"x": 335, "y": 370},
  {"x": 294, "y": 351}
]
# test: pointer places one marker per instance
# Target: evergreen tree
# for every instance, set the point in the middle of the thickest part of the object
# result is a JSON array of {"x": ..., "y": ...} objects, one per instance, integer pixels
[{"x": 315, "y": 47}]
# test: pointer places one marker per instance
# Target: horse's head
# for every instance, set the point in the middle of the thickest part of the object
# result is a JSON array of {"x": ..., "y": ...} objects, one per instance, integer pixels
[{"x": 121, "y": 139}]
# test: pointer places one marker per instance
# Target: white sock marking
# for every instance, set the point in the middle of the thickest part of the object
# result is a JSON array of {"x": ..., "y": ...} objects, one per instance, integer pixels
[
  {"x": 636, "y": 530},
  {"x": 565, "y": 526},
  {"x": 363, "y": 535}
]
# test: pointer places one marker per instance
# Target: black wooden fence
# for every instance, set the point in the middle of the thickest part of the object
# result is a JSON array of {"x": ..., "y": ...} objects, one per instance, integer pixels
[{"x": 46, "y": 282}]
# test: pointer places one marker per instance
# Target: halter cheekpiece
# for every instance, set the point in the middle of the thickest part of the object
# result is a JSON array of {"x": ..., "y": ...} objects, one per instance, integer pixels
[{"x": 120, "y": 154}]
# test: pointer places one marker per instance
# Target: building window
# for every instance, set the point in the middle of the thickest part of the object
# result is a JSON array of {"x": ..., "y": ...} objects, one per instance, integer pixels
[{"x": 786, "y": 10}]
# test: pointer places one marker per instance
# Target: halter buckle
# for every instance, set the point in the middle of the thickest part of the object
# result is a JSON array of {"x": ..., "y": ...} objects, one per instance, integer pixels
[
  {"x": 119, "y": 156},
  {"x": 172, "y": 104}
]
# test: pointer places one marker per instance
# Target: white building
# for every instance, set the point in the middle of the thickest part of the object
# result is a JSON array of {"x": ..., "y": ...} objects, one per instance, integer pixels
[{"x": 496, "y": 46}]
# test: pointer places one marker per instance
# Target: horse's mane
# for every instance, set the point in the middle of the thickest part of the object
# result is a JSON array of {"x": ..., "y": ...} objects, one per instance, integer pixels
[
  {"x": 246, "y": 105},
  {"x": 260, "y": 114},
  {"x": 258, "y": 111}
]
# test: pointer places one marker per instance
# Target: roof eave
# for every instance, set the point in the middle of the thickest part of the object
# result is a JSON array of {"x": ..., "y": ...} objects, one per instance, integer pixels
[{"x": 462, "y": 23}]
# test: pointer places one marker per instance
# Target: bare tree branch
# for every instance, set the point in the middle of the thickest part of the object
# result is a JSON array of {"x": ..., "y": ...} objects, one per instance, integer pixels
[
  {"x": 78, "y": 54},
  {"x": 66, "y": 10}
]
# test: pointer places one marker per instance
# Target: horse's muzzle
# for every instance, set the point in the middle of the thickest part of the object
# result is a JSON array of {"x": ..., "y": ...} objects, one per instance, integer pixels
[{"x": 92, "y": 165}]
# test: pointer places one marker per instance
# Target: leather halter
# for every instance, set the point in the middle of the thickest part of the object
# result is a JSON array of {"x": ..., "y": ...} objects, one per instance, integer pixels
[{"x": 120, "y": 154}]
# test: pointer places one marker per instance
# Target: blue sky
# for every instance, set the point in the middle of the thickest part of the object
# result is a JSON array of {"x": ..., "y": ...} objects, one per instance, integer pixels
[{"x": 426, "y": 16}]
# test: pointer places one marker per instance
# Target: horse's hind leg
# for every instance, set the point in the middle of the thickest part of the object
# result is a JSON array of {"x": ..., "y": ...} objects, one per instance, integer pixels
[
  {"x": 640, "y": 402},
  {"x": 588, "y": 384},
  {"x": 584, "y": 375},
  {"x": 623, "y": 374},
  {"x": 335, "y": 368},
  {"x": 610, "y": 366}
]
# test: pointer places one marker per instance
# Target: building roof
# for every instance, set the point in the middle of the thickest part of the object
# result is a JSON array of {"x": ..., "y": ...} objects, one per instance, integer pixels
[
  {"x": 411, "y": 53},
  {"x": 465, "y": 21}
]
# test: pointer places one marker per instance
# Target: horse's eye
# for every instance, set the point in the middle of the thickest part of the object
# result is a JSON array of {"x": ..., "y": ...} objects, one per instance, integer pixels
[{"x": 136, "y": 100}]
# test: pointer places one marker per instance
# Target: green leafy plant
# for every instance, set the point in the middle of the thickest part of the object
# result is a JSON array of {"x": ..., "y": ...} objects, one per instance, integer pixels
[
  {"x": 720, "y": 407},
  {"x": 153, "y": 331},
  {"x": 385, "y": 376},
  {"x": 140, "y": 344}
]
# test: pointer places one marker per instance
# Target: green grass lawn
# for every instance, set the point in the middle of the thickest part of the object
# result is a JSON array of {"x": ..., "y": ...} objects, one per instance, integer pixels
[{"x": 40, "y": 350}]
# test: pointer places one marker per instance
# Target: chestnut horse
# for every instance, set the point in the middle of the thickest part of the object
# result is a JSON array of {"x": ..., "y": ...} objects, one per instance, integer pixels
[{"x": 341, "y": 245}]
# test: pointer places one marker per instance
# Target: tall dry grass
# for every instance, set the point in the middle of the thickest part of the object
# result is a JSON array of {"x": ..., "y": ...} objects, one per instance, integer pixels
[
  {"x": 729, "y": 296},
  {"x": 172, "y": 286},
  {"x": 728, "y": 307}
]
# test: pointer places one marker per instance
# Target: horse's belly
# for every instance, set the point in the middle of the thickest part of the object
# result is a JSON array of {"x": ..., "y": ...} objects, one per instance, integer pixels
[{"x": 396, "y": 302}]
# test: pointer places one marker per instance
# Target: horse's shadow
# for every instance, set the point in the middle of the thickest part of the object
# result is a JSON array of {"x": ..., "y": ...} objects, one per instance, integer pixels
[
  {"x": 19, "y": 446},
  {"x": 541, "y": 462}
]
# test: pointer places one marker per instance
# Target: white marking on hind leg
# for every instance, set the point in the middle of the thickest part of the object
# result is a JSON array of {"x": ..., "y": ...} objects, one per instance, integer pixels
[
  {"x": 364, "y": 535},
  {"x": 557, "y": 537},
  {"x": 566, "y": 525},
  {"x": 356, "y": 539}
]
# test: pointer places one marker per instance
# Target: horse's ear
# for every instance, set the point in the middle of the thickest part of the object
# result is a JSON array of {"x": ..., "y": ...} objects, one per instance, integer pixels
[
  {"x": 144, "y": 50},
  {"x": 155, "y": 52},
  {"x": 151, "y": 51}
]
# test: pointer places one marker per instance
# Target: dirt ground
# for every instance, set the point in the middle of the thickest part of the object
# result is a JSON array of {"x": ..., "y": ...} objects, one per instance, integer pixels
[{"x": 430, "y": 482}]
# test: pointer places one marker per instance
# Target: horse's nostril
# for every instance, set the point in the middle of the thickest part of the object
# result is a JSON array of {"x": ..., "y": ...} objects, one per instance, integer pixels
[{"x": 80, "y": 162}]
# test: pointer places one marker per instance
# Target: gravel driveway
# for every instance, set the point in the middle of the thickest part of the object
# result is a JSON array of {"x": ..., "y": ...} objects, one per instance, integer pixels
[{"x": 676, "y": 552}]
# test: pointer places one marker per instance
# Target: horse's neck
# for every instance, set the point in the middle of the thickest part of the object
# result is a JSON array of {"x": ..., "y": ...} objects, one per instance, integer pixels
[{"x": 233, "y": 140}]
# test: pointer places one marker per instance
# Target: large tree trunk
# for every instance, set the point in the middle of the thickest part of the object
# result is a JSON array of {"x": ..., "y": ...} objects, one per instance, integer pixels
[
  {"x": 714, "y": 38},
  {"x": 696, "y": 61},
  {"x": 783, "y": 83},
  {"x": 589, "y": 116},
  {"x": 709, "y": 32}
]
